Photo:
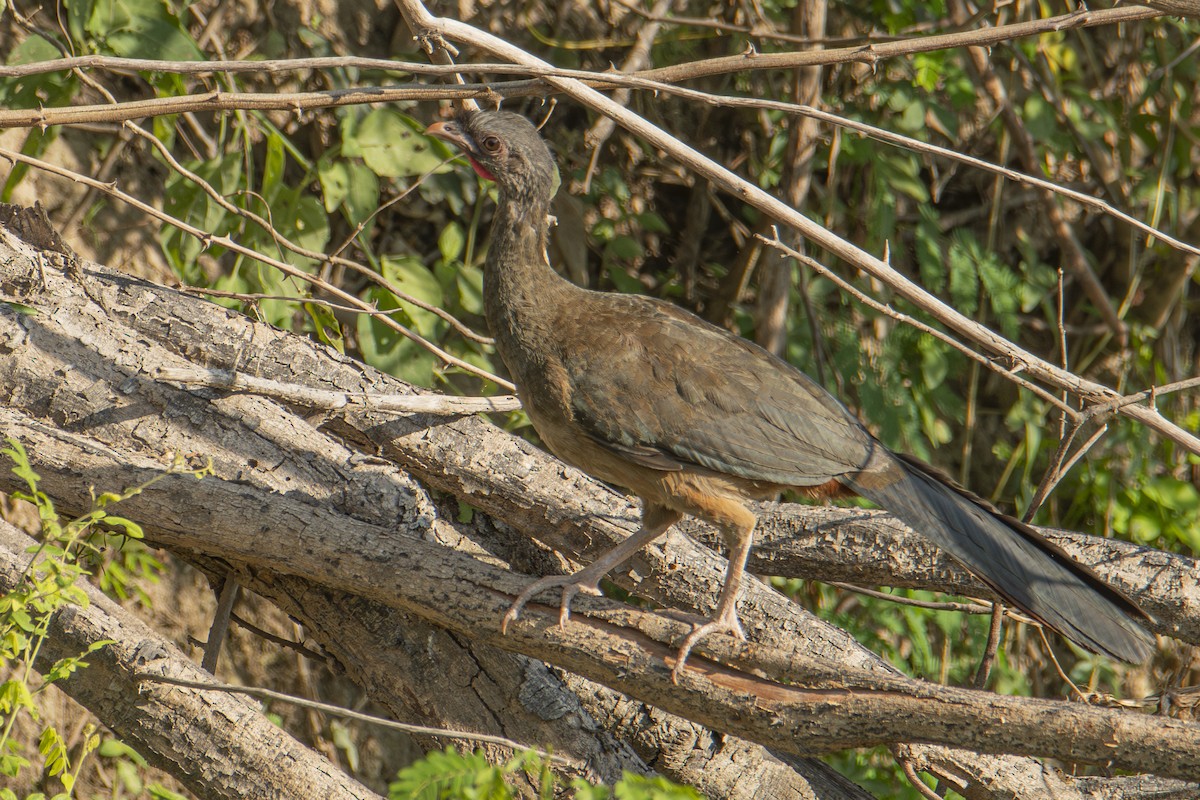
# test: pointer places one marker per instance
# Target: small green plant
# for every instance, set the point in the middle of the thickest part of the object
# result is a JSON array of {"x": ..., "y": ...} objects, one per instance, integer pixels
[
  {"x": 451, "y": 775},
  {"x": 48, "y": 584}
]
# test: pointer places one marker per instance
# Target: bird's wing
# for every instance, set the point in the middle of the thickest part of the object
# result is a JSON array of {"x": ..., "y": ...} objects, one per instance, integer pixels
[{"x": 665, "y": 388}]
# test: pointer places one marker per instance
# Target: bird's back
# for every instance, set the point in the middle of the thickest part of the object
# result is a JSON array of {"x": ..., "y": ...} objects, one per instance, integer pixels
[{"x": 644, "y": 376}]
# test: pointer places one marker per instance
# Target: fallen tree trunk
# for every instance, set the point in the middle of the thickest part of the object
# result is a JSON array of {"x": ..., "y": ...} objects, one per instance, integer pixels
[
  {"x": 82, "y": 380},
  {"x": 218, "y": 744}
]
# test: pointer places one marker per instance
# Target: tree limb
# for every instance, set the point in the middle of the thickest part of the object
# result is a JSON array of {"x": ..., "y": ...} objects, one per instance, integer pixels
[
  {"x": 218, "y": 745},
  {"x": 266, "y": 530}
]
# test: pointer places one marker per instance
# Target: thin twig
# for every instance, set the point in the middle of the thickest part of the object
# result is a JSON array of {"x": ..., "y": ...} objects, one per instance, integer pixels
[
  {"x": 335, "y": 401},
  {"x": 914, "y": 779},
  {"x": 208, "y": 239},
  {"x": 966, "y": 608},
  {"x": 993, "y": 644},
  {"x": 900, "y": 316},
  {"x": 1058, "y": 667},
  {"x": 296, "y": 647},
  {"x": 338, "y": 711}
]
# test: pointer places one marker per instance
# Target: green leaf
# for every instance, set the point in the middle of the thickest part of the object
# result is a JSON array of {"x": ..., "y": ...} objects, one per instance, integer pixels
[
  {"x": 131, "y": 528},
  {"x": 625, "y": 247},
  {"x": 141, "y": 29},
  {"x": 638, "y": 787},
  {"x": 350, "y": 186},
  {"x": 273, "y": 165},
  {"x": 449, "y": 774},
  {"x": 470, "y": 289},
  {"x": 390, "y": 145},
  {"x": 32, "y": 49},
  {"x": 51, "y": 745},
  {"x": 334, "y": 177},
  {"x": 328, "y": 329},
  {"x": 343, "y": 741},
  {"x": 452, "y": 242},
  {"x": 1040, "y": 118},
  {"x": 653, "y": 222},
  {"x": 115, "y": 748},
  {"x": 11, "y": 765},
  {"x": 410, "y": 276},
  {"x": 582, "y": 790},
  {"x": 385, "y": 348},
  {"x": 14, "y": 694},
  {"x": 129, "y": 777}
]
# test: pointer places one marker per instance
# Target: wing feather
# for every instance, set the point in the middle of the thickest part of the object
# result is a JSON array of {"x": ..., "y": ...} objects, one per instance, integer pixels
[{"x": 674, "y": 384}]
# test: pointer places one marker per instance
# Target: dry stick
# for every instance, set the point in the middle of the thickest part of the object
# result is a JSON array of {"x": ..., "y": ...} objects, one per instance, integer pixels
[
  {"x": 1072, "y": 251},
  {"x": 338, "y": 711},
  {"x": 288, "y": 644},
  {"x": 304, "y": 252},
  {"x": 327, "y": 400},
  {"x": 254, "y": 297},
  {"x": 637, "y": 57},
  {"x": 225, "y": 241},
  {"x": 286, "y": 243},
  {"x": 425, "y": 24},
  {"x": 916, "y": 782},
  {"x": 494, "y": 92},
  {"x": 220, "y": 624},
  {"x": 869, "y": 54},
  {"x": 1062, "y": 674},
  {"x": 966, "y": 608},
  {"x": 899, "y": 316},
  {"x": 775, "y": 278},
  {"x": 1060, "y": 465},
  {"x": 993, "y": 644}
]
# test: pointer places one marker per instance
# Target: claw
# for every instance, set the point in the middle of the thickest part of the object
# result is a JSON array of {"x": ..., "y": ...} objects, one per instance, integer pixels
[
  {"x": 726, "y": 623},
  {"x": 571, "y": 586}
]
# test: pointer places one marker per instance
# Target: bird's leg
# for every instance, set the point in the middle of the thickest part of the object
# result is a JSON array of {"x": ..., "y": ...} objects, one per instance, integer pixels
[
  {"x": 738, "y": 535},
  {"x": 655, "y": 521}
]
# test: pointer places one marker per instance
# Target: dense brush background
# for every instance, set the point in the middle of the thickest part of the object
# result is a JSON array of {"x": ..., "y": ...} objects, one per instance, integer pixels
[{"x": 1110, "y": 111}]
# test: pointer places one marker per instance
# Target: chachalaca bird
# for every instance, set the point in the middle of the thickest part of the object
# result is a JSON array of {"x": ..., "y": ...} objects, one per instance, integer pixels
[{"x": 695, "y": 420}]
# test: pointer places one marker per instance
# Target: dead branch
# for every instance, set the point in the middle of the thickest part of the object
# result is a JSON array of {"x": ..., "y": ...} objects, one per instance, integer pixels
[
  {"x": 292, "y": 533},
  {"x": 242, "y": 752}
]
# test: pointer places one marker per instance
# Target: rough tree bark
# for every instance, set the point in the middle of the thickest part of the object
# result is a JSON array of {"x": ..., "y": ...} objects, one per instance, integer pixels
[
  {"x": 220, "y": 745},
  {"x": 79, "y": 388}
]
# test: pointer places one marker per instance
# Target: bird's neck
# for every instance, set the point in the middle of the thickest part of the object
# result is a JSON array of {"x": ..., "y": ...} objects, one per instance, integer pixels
[{"x": 523, "y": 295}]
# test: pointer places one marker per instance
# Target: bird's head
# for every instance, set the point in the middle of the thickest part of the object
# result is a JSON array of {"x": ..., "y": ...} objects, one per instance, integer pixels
[{"x": 503, "y": 147}]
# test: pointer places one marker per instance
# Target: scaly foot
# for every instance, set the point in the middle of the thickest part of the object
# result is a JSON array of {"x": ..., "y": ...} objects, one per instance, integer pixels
[
  {"x": 571, "y": 586},
  {"x": 725, "y": 623}
]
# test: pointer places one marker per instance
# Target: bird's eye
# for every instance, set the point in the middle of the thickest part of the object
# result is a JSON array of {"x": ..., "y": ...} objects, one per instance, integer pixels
[{"x": 491, "y": 144}]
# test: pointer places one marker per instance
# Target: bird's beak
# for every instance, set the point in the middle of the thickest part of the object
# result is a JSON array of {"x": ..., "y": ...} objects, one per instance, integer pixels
[{"x": 452, "y": 133}]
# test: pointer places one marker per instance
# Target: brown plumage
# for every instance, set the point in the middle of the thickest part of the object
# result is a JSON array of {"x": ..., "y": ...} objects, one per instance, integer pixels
[{"x": 694, "y": 420}]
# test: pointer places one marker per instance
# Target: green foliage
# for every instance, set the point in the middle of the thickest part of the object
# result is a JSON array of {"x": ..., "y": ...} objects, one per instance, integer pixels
[
  {"x": 390, "y": 144},
  {"x": 451, "y": 775},
  {"x": 131, "y": 28},
  {"x": 34, "y": 91},
  {"x": 48, "y": 585}
]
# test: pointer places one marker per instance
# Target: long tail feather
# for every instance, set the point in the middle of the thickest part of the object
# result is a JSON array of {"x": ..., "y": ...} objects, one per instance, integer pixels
[{"x": 1029, "y": 572}]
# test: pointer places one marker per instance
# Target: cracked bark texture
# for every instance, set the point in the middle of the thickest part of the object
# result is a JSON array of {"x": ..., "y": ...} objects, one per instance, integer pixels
[
  {"x": 220, "y": 745},
  {"x": 106, "y": 333}
]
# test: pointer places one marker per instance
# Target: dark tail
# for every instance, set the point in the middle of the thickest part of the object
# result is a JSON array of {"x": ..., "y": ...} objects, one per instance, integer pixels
[{"x": 1029, "y": 572}]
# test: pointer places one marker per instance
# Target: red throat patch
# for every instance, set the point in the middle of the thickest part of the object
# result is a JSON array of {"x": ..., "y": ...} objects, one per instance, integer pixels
[{"x": 481, "y": 170}]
